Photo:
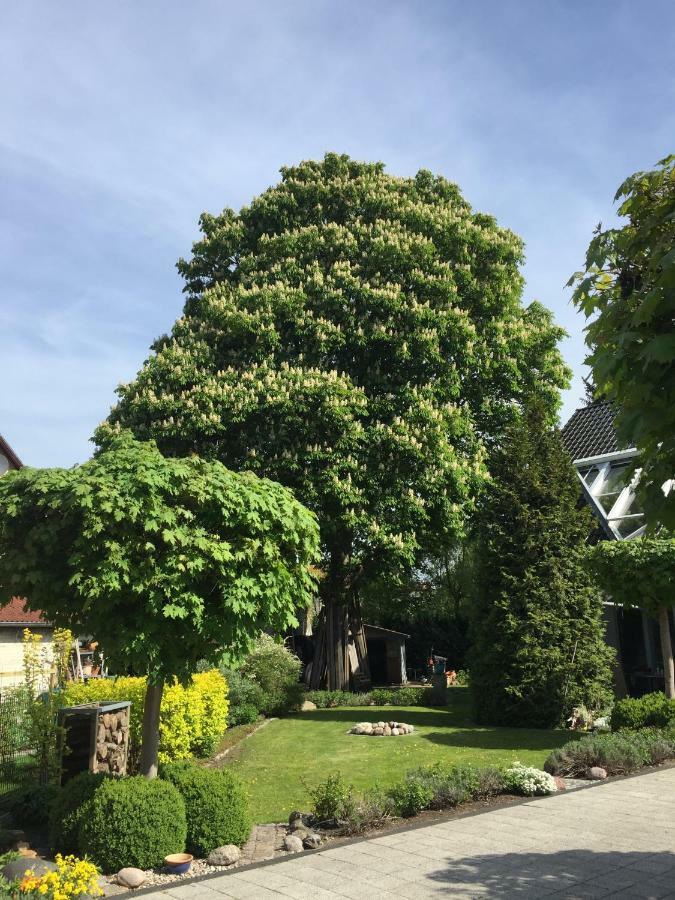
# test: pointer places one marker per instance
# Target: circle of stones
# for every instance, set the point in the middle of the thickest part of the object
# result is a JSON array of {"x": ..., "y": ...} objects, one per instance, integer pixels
[{"x": 382, "y": 729}]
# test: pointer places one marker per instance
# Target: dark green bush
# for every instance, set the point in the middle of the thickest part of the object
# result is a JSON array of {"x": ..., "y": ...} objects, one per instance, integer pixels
[
  {"x": 216, "y": 806},
  {"x": 652, "y": 710},
  {"x": 243, "y": 714},
  {"x": 68, "y": 809},
  {"x": 618, "y": 753},
  {"x": 133, "y": 822},
  {"x": 439, "y": 787},
  {"x": 410, "y": 696},
  {"x": 381, "y": 696},
  {"x": 32, "y": 805},
  {"x": 333, "y": 800},
  {"x": 276, "y": 671},
  {"x": 329, "y": 699}
]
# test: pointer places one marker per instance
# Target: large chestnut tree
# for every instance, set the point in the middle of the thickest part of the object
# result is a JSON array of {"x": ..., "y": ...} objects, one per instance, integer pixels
[{"x": 360, "y": 338}]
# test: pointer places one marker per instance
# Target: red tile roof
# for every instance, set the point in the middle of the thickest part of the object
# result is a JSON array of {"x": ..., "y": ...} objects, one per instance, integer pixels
[{"x": 15, "y": 613}]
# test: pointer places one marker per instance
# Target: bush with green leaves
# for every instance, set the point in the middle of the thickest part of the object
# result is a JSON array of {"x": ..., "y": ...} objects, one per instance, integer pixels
[
  {"x": 653, "y": 710},
  {"x": 247, "y": 698},
  {"x": 330, "y": 699},
  {"x": 372, "y": 810},
  {"x": 69, "y": 809},
  {"x": 528, "y": 780},
  {"x": 618, "y": 752},
  {"x": 411, "y": 795},
  {"x": 31, "y": 804},
  {"x": 133, "y": 822},
  {"x": 216, "y": 806},
  {"x": 333, "y": 800},
  {"x": 276, "y": 671}
]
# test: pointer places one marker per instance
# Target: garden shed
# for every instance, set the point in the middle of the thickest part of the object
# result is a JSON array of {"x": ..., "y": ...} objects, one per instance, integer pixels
[{"x": 386, "y": 654}]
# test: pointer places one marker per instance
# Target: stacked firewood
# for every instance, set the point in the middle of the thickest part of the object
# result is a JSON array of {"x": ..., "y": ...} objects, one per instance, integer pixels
[{"x": 112, "y": 742}]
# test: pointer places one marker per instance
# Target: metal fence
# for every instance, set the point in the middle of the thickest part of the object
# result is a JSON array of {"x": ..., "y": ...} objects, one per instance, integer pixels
[{"x": 18, "y": 759}]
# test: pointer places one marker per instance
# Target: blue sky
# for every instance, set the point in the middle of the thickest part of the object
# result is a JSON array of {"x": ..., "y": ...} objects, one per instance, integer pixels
[{"x": 121, "y": 122}]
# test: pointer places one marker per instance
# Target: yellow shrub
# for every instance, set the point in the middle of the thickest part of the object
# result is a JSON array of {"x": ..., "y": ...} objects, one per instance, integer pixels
[{"x": 192, "y": 719}]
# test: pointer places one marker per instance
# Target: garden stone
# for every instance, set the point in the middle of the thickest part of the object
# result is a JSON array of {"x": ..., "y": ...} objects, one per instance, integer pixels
[
  {"x": 18, "y": 867},
  {"x": 387, "y": 731},
  {"x": 378, "y": 731},
  {"x": 311, "y": 842},
  {"x": 596, "y": 773},
  {"x": 381, "y": 724},
  {"x": 300, "y": 831},
  {"x": 395, "y": 731},
  {"x": 307, "y": 706},
  {"x": 131, "y": 877},
  {"x": 560, "y": 783},
  {"x": 296, "y": 817},
  {"x": 292, "y": 844},
  {"x": 224, "y": 856}
]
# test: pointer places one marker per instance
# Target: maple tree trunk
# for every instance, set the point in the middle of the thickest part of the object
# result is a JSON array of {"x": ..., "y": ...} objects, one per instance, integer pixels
[
  {"x": 667, "y": 652},
  {"x": 150, "y": 736}
]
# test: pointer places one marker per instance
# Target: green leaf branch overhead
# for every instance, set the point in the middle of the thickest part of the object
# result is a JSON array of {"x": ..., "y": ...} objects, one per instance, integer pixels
[
  {"x": 627, "y": 292},
  {"x": 166, "y": 561},
  {"x": 359, "y": 338}
]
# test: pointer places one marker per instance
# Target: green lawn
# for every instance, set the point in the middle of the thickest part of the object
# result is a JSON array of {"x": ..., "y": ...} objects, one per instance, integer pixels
[{"x": 306, "y": 747}]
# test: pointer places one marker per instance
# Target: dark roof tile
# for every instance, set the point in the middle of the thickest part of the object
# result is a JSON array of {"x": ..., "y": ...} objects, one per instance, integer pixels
[{"x": 591, "y": 432}]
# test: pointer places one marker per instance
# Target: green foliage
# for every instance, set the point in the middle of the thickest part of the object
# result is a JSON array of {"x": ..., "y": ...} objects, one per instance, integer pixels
[
  {"x": 30, "y": 806},
  {"x": 276, "y": 671},
  {"x": 333, "y": 799},
  {"x": 215, "y": 804},
  {"x": 538, "y": 636},
  {"x": 411, "y": 796},
  {"x": 192, "y": 717},
  {"x": 69, "y": 809},
  {"x": 641, "y": 571},
  {"x": 618, "y": 752},
  {"x": 652, "y": 710},
  {"x": 627, "y": 292},
  {"x": 132, "y": 822},
  {"x": 186, "y": 556},
  {"x": 352, "y": 335},
  {"x": 246, "y": 697}
]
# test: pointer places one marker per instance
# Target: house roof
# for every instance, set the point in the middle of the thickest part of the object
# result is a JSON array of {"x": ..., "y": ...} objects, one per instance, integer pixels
[
  {"x": 15, "y": 613},
  {"x": 591, "y": 432},
  {"x": 9, "y": 453}
]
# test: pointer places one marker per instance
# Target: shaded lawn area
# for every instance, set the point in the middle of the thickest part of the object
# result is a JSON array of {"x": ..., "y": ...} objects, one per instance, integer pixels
[{"x": 307, "y": 747}]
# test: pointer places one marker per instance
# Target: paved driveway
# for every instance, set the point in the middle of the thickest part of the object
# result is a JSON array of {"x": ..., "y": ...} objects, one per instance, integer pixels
[{"x": 616, "y": 839}]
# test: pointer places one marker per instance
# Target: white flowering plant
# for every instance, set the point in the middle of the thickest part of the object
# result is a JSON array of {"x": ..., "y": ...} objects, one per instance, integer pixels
[{"x": 528, "y": 780}]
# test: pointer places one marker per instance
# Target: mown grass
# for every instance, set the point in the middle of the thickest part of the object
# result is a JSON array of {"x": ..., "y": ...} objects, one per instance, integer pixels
[{"x": 278, "y": 762}]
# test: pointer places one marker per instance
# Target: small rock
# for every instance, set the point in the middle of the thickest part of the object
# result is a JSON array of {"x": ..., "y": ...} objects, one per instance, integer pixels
[
  {"x": 27, "y": 853},
  {"x": 596, "y": 773},
  {"x": 292, "y": 843},
  {"x": 311, "y": 842},
  {"x": 296, "y": 817},
  {"x": 307, "y": 706},
  {"x": 381, "y": 724},
  {"x": 224, "y": 856},
  {"x": 378, "y": 731},
  {"x": 410, "y": 728},
  {"x": 395, "y": 731},
  {"x": 387, "y": 730},
  {"x": 560, "y": 783},
  {"x": 301, "y": 831},
  {"x": 18, "y": 868},
  {"x": 131, "y": 877}
]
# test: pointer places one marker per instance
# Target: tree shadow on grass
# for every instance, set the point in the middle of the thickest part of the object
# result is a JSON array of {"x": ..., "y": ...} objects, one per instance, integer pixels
[
  {"x": 420, "y": 716},
  {"x": 562, "y": 874},
  {"x": 499, "y": 738}
]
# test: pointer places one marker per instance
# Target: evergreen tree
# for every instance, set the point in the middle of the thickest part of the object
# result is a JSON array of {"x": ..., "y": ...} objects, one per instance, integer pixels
[
  {"x": 358, "y": 338},
  {"x": 537, "y": 630}
]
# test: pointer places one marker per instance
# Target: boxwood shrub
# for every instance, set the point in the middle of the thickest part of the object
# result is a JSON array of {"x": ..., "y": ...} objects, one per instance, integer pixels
[
  {"x": 132, "y": 822},
  {"x": 31, "y": 805},
  {"x": 68, "y": 809},
  {"x": 216, "y": 806}
]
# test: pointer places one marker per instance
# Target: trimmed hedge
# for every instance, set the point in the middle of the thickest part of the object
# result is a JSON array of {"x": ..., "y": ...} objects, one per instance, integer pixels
[
  {"x": 216, "y": 806},
  {"x": 192, "y": 719},
  {"x": 653, "y": 710},
  {"x": 618, "y": 753},
  {"x": 404, "y": 696},
  {"x": 68, "y": 810},
  {"x": 132, "y": 822}
]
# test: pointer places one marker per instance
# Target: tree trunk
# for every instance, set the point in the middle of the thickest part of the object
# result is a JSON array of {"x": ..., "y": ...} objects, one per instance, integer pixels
[
  {"x": 667, "y": 652},
  {"x": 150, "y": 736}
]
